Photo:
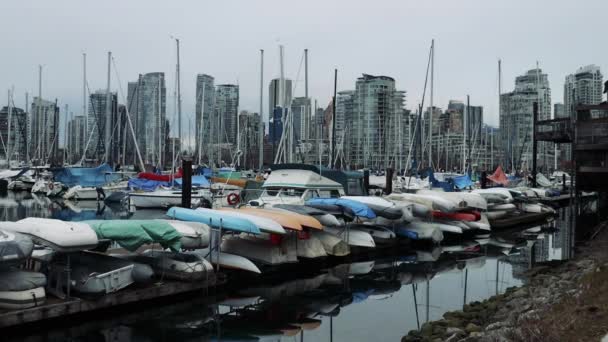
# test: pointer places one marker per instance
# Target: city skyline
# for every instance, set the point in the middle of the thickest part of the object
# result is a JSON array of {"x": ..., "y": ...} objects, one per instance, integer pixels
[{"x": 233, "y": 57}]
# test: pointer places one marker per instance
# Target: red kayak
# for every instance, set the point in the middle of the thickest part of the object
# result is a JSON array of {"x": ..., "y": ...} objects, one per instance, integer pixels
[
  {"x": 161, "y": 178},
  {"x": 455, "y": 216}
]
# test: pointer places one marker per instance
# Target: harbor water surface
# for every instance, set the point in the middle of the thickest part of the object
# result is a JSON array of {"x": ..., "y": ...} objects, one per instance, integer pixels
[{"x": 380, "y": 298}]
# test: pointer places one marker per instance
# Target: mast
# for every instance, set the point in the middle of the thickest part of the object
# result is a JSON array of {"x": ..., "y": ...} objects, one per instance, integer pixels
[
  {"x": 158, "y": 105},
  {"x": 39, "y": 110},
  {"x": 179, "y": 98},
  {"x": 333, "y": 120},
  {"x": 65, "y": 135},
  {"x": 27, "y": 120},
  {"x": 431, "y": 110},
  {"x": 8, "y": 138},
  {"x": 307, "y": 116},
  {"x": 84, "y": 93},
  {"x": 108, "y": 126},
  {"x": 261, "y": 123}
]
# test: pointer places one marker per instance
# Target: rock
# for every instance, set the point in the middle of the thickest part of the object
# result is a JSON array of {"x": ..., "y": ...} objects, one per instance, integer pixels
[
  {"x": 520, "y": 293},
  {"x": 453, "y": 330},
  {"x": 476, "y": 334},
  {"x": 471, "y": 327},
  {"x": 426, "y": 330},
  {"x": 438, "y": 339},
  {"x": 491, "y": 307},
  {"x": 455, "y": 323},
  {"x": 495, "y": 325}
]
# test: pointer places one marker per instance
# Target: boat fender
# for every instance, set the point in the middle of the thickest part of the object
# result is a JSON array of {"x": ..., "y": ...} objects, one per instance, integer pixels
[
  {"x": 51, "y": 186},
  {"x": 233, "y": 198}
]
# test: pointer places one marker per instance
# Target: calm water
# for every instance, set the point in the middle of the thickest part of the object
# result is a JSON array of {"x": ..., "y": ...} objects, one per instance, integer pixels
[{"x": 378, "y": 299}]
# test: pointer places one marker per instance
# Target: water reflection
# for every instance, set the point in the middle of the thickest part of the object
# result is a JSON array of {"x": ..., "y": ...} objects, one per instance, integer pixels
[{"x": 377, "y": 299}]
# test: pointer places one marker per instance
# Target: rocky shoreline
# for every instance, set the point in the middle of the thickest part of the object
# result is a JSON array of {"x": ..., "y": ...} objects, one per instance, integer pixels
[{"x": 503, "y": 317}]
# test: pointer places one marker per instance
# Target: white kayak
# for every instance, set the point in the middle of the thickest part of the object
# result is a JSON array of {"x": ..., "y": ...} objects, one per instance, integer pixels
[
  {"x": 379, "y": 233},
  {"x": 482, "y": 223},
  {"x": 496, "y": 214},
  {"x": 464, "y": 200},
  {"x": 535, "y": 208},
  {"x": 495, "y": 193},
  {"x": 355, "y": 238},
  {"x": 431, "y": 201},
  {"x": 264, "y": 224},
  {"x": 61, "y": 236},
  {"x": 506, "y": 206},
  {"x": 227, "y": 260}
]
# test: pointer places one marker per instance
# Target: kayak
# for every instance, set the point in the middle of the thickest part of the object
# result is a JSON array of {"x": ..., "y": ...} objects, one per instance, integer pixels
[
  {"x": 214, "y": 218},
  {"x": 458, "y": 216},
  {"x": 265, "y": 224},
  {"x": 285, "y": 220}
]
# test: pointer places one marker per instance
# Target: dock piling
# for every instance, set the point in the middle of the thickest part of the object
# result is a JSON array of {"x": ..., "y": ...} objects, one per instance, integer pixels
[{"x": 187, "y": 182}]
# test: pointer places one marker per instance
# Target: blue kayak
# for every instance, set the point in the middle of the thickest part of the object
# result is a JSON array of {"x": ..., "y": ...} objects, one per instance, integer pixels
[
  {"x": 358, "y": 208},
  {"x": 213, "y": 219}
]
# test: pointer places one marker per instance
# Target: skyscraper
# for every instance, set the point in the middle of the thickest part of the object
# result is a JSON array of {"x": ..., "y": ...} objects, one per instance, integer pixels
[
  {"x": 147, "y": 105},
  {"x": 516, "y": 119},
  {"x": 379, "y": 114},
  {"x": 300, "y": 109},
  {"x": 584, "y": 87},
  {"x": 275, "y": 96},
  {"x": 77, "y": 138},
  {"x": 205, "y": 109},
  {"x": 97, "y": 121},
  {"x": 15, "y": 145},
  {"x": 559, "y": 111},
  {"x": 44, "y": 132},
  {"x": 227, "y": 106}
]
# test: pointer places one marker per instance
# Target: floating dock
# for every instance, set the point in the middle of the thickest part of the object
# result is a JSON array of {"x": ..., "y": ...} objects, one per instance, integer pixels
[{"x": 58, "y": 308}]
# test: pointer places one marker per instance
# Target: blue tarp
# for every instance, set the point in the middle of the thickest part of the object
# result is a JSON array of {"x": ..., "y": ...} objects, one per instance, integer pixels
[
  {"x": 85, "y": 176},
  {"x": 446, "y": 186},
  {"x": 196, "y": 181},
  {"x": 145, "y": 184},
  {"x": 462, "y": 182},
  {"x": 358, "y": 208}
]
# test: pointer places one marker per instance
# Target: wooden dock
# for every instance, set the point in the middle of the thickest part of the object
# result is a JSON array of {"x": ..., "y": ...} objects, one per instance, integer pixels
[{"x": 56, "y": 308}]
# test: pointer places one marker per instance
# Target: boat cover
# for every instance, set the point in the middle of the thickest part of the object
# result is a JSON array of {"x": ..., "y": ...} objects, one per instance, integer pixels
[
  {"x": 85, "y": 176},
  {"x": 213, "y": 218},
  {"x": 145, "y": 184},
  {"x": 358, "y": 208},
  {"x": 160, "y": 177},
  {"x": 18, "y": 280},
  {"x": 499, "y": 177},
  {"x": 131, "y": 234},
  {"x": 200, "y": 181},
  {"x": 462, "y": 182}
]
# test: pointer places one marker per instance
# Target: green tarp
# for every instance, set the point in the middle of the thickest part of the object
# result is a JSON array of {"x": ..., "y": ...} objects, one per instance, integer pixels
[{"x": 131, "y": 234}]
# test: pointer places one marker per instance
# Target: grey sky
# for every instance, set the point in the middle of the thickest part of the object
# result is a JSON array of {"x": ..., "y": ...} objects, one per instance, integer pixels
[{"x": 223, "y": 38}]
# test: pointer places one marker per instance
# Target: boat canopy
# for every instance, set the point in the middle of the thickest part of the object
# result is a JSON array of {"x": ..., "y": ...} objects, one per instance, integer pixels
[
  {"x": 132, "y": 234},
  {"x": 462, "y": 182},
  {"x": 200, "y": 181},
  {"x": 85, "y": 176},
  {"x": 145, "y": 184},
  {"x": 351, "y": 181}
]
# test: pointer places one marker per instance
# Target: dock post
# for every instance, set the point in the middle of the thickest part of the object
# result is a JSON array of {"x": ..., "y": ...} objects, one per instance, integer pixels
[
  {"x": 534, "y": 150},
  {"x": 366, "y": 181},
  {"x": 187, "y": 182},
  {"x": 388, "y": 187}
]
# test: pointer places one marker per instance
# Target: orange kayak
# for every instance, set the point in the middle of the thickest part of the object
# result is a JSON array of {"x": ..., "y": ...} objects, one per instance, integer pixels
[{"x": 305, "y": 220}]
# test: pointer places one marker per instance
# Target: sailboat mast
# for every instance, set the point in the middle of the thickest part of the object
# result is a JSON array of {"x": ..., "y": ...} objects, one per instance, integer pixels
[
  {"x": 108, "y": 125},
  {"x": 333, "y": 120},
  {"x": 8, "y": 138},
  {"x": 261, "y": 123},
  {"x": 431, "y": 110},
  {"x": 39, "y": 110},
  {"x": 84, "y": 95},
  {"x": 27, "y": 120},
  {"x": 179, "y": 97}
]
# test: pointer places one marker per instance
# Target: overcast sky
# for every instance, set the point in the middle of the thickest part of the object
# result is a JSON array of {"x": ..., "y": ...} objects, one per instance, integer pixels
[{"x": 223, "y": 39}]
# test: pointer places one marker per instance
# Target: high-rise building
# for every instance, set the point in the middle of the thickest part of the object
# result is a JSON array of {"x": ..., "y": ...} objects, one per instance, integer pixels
[
  {"x": 15, "y": 146},
  {"x": 147, "y": 103},
  {"x": 584, "y": 87},
  {"x": 300, "y": 109},
  {"x": 249, "y": 126},
  {"x": 205, "y": 110},
  {"x": 516, "y": 120},
  {"x": 279, "y": 96},
  {"x": 97, "y": 121},
  {"x": 77, "y": 138},
  {"x": 227, "y": 106},
  {"x": 44, "y": 132},
  {"x": 377, "y": 124},
  {"x": 345, "y": 112},
  {"x": 559, "y": 111}
]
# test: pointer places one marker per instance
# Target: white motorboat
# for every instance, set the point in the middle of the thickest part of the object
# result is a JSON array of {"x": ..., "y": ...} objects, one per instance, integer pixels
[
  {"x": 262, "y": 250},
  {"x": 333, "y": 245},
  {"x": 179, "y": 266},
  {"x": 78, "y": 192},
  {"x": 59, "y": 235},
  {"x": 194, "y": 234},
  {"x": 47, "y": 187},
  {"x": 165, "y": 198}
]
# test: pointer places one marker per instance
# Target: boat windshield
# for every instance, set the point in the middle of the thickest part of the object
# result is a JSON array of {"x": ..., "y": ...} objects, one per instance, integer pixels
[{"x": 291, "y": 193}]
